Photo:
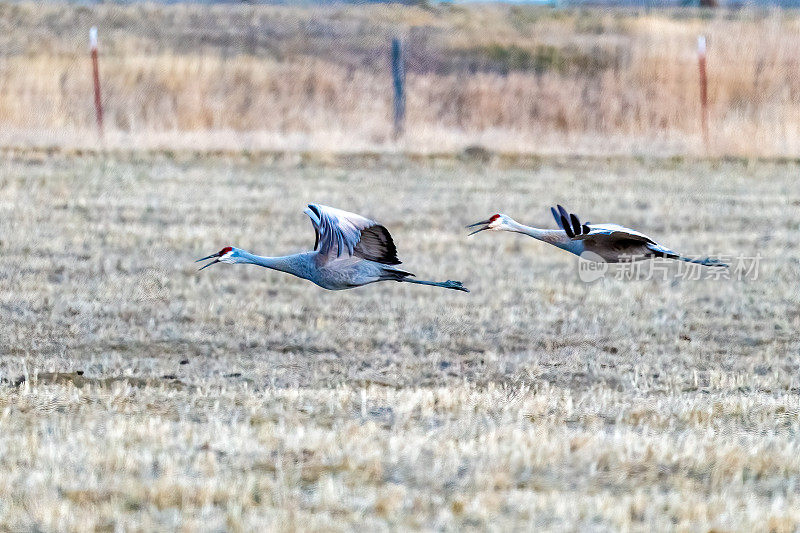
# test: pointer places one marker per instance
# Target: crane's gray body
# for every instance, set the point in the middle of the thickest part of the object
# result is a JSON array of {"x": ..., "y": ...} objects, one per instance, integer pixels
[
  {"x": 340, "y": 273},
  {"x": 611, "y": 243},
  {"x": 350, "y": 251}
]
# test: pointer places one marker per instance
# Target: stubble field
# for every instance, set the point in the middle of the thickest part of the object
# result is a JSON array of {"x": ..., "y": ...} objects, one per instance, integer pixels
[{"x": 139, "y": 394}]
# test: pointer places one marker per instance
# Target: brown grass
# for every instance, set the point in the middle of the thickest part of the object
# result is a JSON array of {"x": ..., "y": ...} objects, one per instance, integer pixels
[
  {"x": 510, "y": 78},
  {"x": 244, "y": 399}
]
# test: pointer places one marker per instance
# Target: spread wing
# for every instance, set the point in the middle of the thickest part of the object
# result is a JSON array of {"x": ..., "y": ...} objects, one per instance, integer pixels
[
  {"x": 570, "y": 223},
  {"x": 572, "y": 226},
  {"x": 339, "y": 232},
  {"x": 615, "y": 232}
]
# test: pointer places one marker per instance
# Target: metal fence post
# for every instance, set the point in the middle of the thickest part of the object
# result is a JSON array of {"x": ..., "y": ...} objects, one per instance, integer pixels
[{"x": 399, "y": 82}]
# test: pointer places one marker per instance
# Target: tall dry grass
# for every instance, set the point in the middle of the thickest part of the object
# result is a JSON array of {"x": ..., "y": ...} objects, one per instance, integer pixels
[{"x": 511, "y": 78}]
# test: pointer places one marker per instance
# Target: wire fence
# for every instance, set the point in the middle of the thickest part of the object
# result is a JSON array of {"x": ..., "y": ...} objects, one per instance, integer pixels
[{"x": 600, "y": 79}]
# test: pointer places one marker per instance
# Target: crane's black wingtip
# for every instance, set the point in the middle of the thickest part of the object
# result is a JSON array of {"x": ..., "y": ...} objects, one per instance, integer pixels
[
  {"x": 576, "y": 223},
  {"x": 565, "y": 225}
]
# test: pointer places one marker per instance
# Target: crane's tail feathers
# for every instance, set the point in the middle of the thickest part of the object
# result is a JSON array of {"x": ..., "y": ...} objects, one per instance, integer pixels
[
  {"x": 449, "y": 284},
  {"x": 395, "y": 274},
  {"x": 706, "y": 261}
]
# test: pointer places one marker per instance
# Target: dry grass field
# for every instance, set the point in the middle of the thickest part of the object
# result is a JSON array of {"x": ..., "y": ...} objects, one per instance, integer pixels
[
  {"x": 511, "y": 78},
  {"x": 139, "y": 394}
]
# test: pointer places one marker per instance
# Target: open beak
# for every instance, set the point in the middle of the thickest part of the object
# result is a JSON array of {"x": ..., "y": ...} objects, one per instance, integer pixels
[
  {"x": 484, "y": 223},
  {"x": 208, "y": 264}
]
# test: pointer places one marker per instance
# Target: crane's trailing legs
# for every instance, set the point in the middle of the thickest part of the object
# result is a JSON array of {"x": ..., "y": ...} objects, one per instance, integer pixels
[{"x": 449, "y": 284}]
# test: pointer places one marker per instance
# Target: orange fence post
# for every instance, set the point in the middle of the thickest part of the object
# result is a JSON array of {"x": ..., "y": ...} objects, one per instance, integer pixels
[
  {"x": 701, "y": 61},
  {"x": 98, "y": 104}
]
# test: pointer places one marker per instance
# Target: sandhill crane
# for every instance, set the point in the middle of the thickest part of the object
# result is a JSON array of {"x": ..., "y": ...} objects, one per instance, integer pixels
[
  {"x": 350, "y": 251},
  {"x": 613, "y": 243}
]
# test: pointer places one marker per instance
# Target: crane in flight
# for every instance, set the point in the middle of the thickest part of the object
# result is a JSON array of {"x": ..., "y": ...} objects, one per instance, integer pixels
[
  {"x": 350, "y": 251},
  {"x": 611, "y": 242}
]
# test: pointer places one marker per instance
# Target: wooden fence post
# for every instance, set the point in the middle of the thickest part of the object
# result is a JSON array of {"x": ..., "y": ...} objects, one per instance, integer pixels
[
  {"x": 98, "y": 105},
  {"x": 399, "y": 82},
  {"x": 701, "y": 62}
]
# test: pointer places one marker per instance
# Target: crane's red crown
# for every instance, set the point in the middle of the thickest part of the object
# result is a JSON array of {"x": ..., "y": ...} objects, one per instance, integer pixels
[
  {"x": 494, "y": 217},
  {"x": 225, "y": 250}
]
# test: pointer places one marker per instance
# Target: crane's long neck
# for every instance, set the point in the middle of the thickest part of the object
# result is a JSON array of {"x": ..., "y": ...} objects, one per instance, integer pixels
[
  {"x": 556, "y": 237},
  {"x": 291, "y": 264}
]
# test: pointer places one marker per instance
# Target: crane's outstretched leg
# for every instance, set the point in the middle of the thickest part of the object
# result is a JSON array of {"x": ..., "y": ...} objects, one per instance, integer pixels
[
  {"x": 660, "y": 251},
  {"x": 455, "y": 285},
  {"x": 395, "y": 274},
  {"x": 707, "y": 261}
]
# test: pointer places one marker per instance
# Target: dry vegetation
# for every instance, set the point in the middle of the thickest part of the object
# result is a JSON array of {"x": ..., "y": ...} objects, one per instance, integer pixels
[
  {"x": 514, "y": 79},
  {"x": 136, "y": 393},
  {"x": 139, "y": 394}
]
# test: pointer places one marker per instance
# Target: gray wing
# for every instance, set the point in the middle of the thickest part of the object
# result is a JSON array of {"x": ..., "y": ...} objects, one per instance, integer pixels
[
  {"x": 340, "y": 232},
  {"x": 614, "y": 232},
  {"x": 575, "y": 229}
]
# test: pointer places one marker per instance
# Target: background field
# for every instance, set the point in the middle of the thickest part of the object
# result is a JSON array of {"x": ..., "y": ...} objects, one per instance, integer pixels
[
  {"x": 513, "y": 79},
  {"x": 138, "y": 393}
]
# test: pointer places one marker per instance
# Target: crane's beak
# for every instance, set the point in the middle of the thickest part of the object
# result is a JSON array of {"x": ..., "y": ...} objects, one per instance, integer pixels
[
  {"x": 208, "y": 264},
  {"x": 484, "y": 223}
]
